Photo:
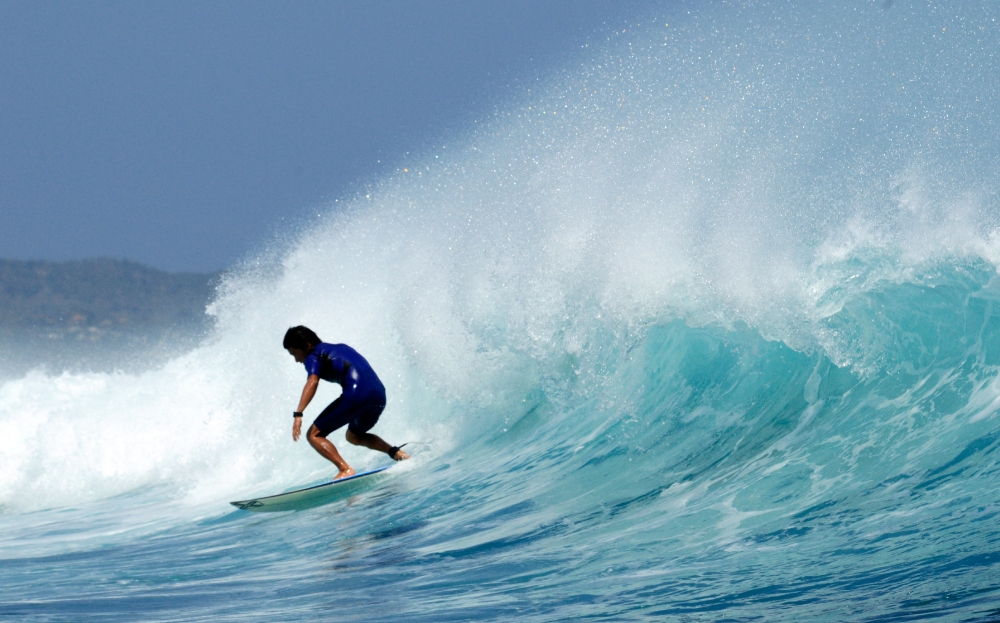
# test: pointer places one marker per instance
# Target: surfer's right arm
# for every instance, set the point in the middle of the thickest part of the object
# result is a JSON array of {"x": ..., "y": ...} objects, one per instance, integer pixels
[{"x": 307, "y": 395}]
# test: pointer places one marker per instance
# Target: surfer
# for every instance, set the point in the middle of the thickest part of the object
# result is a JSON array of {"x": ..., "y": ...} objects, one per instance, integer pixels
[{"x": 358, "y": 406}]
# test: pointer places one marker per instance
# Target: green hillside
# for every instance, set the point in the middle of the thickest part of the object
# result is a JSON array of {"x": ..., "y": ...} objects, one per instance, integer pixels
[
  {"x": 93, "y": 299},
  {"x": 97, "y": 314}
]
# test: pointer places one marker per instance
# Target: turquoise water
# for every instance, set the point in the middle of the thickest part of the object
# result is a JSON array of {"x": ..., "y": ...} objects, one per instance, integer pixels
[{"x": 705, "y": 329}]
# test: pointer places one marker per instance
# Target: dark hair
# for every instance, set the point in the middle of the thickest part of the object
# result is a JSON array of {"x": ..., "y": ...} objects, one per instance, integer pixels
[{"x": 300, "y": 337}]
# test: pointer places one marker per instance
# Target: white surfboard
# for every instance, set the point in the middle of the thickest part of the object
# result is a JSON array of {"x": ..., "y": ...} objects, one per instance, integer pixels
[{"x": 311, "y": 496}]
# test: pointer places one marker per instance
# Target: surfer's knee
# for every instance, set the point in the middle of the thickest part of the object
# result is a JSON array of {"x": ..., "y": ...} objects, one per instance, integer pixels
[
  {"x": 353, "y": 438},
  {"x": 313, "y": 435}
]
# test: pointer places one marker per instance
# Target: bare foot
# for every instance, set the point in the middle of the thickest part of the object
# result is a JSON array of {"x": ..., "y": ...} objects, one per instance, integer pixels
[
  {"x": 344, "y": 473},
  {"x": 400, "y": 456}
]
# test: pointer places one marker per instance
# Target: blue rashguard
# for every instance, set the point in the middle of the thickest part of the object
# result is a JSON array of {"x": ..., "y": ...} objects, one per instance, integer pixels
[{"x": 363, "y": 397}]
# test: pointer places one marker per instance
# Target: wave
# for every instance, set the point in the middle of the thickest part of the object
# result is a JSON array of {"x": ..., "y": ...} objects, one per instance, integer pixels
[{"x": 747, "y": 253}]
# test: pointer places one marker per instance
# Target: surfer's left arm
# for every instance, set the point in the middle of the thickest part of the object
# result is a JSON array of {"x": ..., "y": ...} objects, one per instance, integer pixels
[{"x": 307, "y": 395}]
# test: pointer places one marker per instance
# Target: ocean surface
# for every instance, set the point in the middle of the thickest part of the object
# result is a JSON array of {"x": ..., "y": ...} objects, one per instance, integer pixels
[{"x": 705, "y": 326}]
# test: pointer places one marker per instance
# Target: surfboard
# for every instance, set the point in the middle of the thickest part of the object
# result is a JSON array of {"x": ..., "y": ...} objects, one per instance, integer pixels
[{"x": 312, "y": 496}]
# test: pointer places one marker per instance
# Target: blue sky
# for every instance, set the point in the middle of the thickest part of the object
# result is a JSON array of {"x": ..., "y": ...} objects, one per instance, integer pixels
[{"x": 185, "y": 134}]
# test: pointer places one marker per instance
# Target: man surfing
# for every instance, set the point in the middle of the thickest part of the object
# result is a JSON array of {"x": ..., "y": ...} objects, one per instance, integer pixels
[{"x": 359, "y": 406}]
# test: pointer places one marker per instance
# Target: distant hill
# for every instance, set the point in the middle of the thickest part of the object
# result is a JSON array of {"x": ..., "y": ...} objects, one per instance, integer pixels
[
  {"x": 99, "y": 302},
  {"x": 101, "y": 293}
]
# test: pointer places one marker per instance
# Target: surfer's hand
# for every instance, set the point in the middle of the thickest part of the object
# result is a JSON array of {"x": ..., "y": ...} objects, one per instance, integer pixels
[{"x": 296, "y": 428}]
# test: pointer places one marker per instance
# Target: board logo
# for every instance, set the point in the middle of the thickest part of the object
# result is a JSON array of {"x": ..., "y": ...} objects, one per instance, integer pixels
[{"x": 248, "y": 504}]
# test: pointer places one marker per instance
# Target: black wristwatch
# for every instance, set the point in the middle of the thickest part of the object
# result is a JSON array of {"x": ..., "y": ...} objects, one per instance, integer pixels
[{"x": 297, "y": 414}]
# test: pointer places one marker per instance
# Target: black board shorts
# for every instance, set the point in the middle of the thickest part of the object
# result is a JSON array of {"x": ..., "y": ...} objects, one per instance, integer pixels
[{"x": 359, "y": 413}]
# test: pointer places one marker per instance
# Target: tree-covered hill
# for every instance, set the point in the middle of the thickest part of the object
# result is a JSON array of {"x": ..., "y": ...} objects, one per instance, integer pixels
[
  {"x": 99, "y": 314},
  {"x": 98, "y": 296}
]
